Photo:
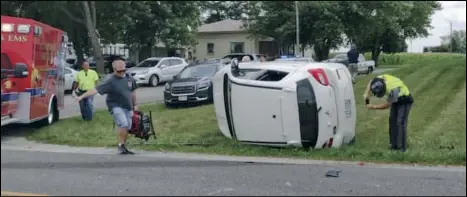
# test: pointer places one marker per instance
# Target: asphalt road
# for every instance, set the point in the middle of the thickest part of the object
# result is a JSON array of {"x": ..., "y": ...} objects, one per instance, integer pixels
[
  {"x": 27, "y": 167},
  {"x": 110, "y": 174}
]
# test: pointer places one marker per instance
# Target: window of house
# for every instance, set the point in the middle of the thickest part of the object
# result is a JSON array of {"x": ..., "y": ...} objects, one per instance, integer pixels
[
  {"x": 237, "y": 47},
  {"x": 210, "y": 47}
]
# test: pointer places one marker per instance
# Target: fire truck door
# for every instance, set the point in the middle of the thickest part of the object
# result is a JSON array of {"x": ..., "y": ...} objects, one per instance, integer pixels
[{"x": 9, "y": 89}]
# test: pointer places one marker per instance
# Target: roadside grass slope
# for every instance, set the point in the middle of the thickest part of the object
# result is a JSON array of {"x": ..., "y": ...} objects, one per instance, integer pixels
[{"x": 436, "y": 128}]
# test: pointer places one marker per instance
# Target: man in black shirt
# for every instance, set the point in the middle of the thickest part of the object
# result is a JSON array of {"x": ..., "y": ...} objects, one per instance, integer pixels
[{"x": 352, "y": 55}]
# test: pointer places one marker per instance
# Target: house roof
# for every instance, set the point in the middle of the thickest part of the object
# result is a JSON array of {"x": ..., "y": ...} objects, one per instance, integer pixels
[{"x": 227, "y": 25}]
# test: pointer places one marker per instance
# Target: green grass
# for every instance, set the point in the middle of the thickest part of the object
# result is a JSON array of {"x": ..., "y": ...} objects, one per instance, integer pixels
[{"x": 437, "y": 119}]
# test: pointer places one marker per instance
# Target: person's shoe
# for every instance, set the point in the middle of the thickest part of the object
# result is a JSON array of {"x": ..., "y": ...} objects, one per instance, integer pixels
[
  {"x": 121, "y": 150},
  {"x": 124, "y": 150}
]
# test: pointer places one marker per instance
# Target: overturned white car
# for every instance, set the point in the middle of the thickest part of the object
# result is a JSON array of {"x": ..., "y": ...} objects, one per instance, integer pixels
[{"x": 286, "y": 103}]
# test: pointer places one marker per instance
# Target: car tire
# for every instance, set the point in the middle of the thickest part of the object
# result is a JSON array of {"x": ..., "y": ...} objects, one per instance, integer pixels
[
  {"x": 370, "y": 70},
  {"x": 169, "y": 105},
  {"x": 154, "y": 80}
]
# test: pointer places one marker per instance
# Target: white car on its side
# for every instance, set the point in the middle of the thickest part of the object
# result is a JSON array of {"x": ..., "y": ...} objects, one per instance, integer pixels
[
  {"x": 156, "y": 70},
  {"x": 70, "y": 75},
  {"x": 286, "y": 103}
]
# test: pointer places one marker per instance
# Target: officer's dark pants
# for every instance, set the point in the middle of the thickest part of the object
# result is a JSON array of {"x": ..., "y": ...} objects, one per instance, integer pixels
[{"x": 398, "y": 125}]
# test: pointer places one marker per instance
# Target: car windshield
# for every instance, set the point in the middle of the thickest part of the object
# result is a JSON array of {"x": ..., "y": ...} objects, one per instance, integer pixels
[
  {"x": 199, "y": 71},
  {"x": 148, "y": 63}
]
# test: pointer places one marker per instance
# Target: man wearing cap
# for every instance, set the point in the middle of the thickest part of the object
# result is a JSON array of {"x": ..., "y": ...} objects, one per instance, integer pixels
[
  {"x": 352, "y": 56},
  {"x": 399, "y": 100}
]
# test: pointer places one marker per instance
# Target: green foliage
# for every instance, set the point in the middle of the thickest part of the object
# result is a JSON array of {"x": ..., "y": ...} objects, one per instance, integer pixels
[
  {"x": 436, "y": 119},
  {"x": 456, "y": 42}
]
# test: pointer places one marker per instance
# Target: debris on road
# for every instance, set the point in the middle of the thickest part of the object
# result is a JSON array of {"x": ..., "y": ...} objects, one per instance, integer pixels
[{"x": 333, "y": 173}]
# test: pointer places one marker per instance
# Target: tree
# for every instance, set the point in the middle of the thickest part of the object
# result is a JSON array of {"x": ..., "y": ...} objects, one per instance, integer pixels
[
  {"x": 220, "y": 10},
  {"x": 374, "y": 24},
  {"x": 320, "y": 28},
  {"x": 456, "y": 42},
  {"x": 88, "y": 18}
]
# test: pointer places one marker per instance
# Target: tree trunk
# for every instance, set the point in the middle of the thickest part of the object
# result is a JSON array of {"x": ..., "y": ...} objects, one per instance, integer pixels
[
  {"x": 96, "y": 47},
  {"x": 321, "y": 52},
  {"x": 375, "y": 52}
]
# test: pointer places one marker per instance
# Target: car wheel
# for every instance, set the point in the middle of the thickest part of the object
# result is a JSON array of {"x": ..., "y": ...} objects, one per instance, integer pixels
[
  {"x": 370, "y": 70},
  {"x": 154, "y": 80},
  {"x": 168, "y": 105}
]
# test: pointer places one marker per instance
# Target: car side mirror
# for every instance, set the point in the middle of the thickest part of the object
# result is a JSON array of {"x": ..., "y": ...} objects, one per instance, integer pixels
[
  {"x": 20, "y": 70},
  {"x": 175, "y": 77}
]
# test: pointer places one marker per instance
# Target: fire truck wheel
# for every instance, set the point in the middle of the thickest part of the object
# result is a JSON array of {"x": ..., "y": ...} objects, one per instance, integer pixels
[{"x": 52, "y": 115}]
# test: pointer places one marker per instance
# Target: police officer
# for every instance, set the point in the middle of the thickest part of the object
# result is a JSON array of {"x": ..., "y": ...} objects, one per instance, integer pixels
[{"x": 399, "y": 100}]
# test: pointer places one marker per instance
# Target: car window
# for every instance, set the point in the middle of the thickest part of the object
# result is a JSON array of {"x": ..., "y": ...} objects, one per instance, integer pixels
[
  {"x": 199, "y": 71},
  {"x": 175, "y": 62},
  {"x": 6, "y": 64},
  {"x": 165, "y": 62},
  {"x": 238, "y": 56},
  {"x": 148, "y": 63}
]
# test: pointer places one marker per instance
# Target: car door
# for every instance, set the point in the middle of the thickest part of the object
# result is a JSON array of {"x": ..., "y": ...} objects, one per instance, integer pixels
[
  {"x": 177, "y": 66},
  {"x": 255, "y": 108},
  {"x": 164, "y": 67},
  {"x": 9, "y": 89}
]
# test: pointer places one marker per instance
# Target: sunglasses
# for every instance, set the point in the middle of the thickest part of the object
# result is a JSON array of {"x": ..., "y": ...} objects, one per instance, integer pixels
[{"x": 120, "y": 71}]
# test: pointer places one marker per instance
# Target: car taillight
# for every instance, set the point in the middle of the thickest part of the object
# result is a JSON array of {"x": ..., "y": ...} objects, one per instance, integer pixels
[
  {"x": 330, "y": 142},
  {"x": 319, "y": 75}
]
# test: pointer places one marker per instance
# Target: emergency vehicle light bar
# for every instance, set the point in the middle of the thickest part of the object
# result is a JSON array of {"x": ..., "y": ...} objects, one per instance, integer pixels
[{"x": 7, "y": 27}]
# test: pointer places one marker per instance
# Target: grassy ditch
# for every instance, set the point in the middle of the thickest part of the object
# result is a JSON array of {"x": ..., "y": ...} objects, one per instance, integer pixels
[{"x": 436, "y": 130}]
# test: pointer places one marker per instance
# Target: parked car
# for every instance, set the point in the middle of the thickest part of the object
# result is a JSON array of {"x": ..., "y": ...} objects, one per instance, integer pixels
[
  {"x": 296, "y": 59},
  {"x": 70, "y": 75},
  {"x": 192, "y": 85},
  {"x": 281, "y": 103},
  {"x": 156, "y": 70},
  {"x": 239, "y": 56},
  {"x": 108, "y": 59},
  {"x": 364, "y": 66}
]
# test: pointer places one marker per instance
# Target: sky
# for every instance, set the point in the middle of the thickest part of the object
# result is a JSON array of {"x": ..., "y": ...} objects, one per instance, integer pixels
[{"x": 453, "y": 11}]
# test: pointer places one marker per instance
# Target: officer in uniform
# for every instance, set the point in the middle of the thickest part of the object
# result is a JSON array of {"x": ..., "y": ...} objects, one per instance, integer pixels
[{"x": 398, "y": 99}]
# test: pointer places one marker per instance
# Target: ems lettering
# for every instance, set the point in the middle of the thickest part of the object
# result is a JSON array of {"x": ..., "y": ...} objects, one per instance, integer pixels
[{"x": 16, "y": 38}]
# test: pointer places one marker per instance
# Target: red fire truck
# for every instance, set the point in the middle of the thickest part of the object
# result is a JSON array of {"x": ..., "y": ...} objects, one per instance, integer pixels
[{"x": 32, "y": 77}]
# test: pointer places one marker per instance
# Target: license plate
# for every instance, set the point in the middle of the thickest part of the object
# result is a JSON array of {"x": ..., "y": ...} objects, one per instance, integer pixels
[
  {"x": 182, "y": 98},
  {"x": 347, "y": 108}
]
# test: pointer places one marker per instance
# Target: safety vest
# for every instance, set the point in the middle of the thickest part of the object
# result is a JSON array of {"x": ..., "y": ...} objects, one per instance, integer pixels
[{"x": 394, "y": 82}]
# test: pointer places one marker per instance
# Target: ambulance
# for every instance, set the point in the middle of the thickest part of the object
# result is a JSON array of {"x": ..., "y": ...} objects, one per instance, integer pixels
[
  {"x": 286, "y": 103},
  {"x": 32, "y": 71}
]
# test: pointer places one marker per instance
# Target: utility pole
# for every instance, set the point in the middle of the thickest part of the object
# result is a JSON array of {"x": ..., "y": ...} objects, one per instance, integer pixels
[
  {"x": 450, "y": 35},
  {"x": 297, "y": 47}
]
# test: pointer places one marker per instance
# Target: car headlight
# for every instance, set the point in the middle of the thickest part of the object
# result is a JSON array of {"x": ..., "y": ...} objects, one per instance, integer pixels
[
  {"x": 167, "y": 86},
  {"x": 204, "y": 85}
]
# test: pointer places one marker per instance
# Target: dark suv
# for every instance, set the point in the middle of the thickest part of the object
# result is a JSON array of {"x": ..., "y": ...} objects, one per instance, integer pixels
[{"x": 192, "y": 85}]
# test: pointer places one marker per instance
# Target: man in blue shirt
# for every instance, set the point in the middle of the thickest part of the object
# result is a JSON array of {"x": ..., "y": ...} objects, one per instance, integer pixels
[{"x": 352, "y": 55}]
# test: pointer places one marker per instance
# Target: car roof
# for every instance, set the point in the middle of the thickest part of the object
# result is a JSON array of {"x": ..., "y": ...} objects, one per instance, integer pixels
[{"x": 160, "y": 58}]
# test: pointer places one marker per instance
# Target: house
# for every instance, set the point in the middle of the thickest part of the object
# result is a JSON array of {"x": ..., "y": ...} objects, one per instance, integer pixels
[{"x": 218, "y": 39}]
